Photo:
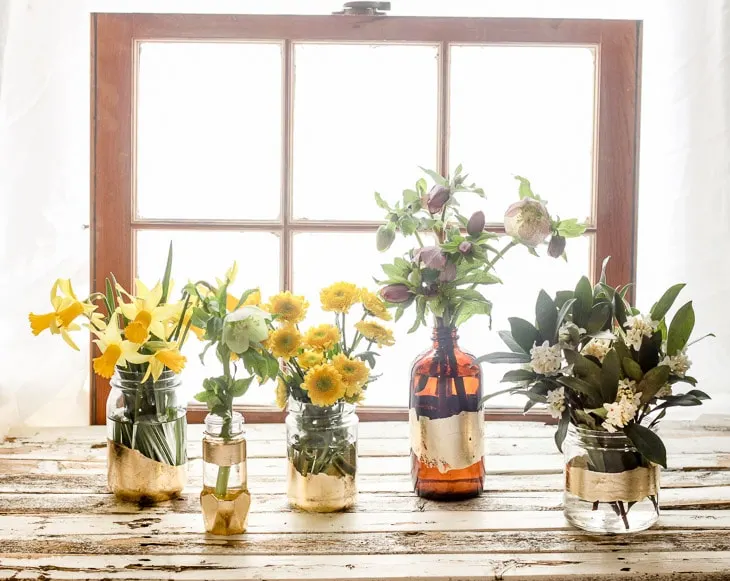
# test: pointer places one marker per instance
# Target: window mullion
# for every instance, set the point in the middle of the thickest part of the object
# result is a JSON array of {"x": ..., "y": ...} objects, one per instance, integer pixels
[
  {"x": 443, "y": 108},
  {"x": 287, "y": 170}
]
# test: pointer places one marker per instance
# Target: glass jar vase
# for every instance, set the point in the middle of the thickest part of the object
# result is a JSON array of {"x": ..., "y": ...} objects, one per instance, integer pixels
[
  {"x": 446, "y": 421},
  {"x": 322, "y": 456},
  {"x": 225, "y": 499},
  {"x": 609, "y": 486},
  {"x": 146, "y": 437}
]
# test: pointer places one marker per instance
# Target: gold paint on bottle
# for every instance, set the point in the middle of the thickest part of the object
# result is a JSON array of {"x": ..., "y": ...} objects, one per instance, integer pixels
[
  {"x": 629, "y": 486},
  {"x": 320, "y": 492}
]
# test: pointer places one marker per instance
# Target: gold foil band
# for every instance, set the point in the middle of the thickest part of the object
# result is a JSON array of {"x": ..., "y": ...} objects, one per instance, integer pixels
[
  {"x": 629, "y": 486},
  {"x": 132, "y": 476},
  {"x": 224, "y": 453},
  {"x": 452, "y": 443},
  {"x": 320, "y": 492}
]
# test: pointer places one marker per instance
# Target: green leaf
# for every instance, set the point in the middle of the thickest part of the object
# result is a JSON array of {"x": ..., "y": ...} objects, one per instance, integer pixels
[
  {"x": 513, "y": 345},
  {"x": 610, "y": 375},
  {"x": 166, "y": 278},
  {"x": 519, "y": 375},
  {"x": 240, "y": 386},
  {"x": 546, "y": 316},
  {"x": 436, "y": 177},
  {"x": 653, "y": 381},
  {"x": 665, "y": 303},
  {"x": 632, "y": 369},
  {"x": 583, "y": 302},
  {"x": 570, "y": 228},
  {"x": 481, "y": 277},
  {"x": 381, "y": 202},
  {"x": 244, "y": 296},
  {"x": 524, "y": 333},
  {"x": 408, "y": 225},
  {"x": 578, "y": 385},
  {"x": 600, "y": 315},
  {"x": 394, "y": 271},
  {"x": 680, "y": 329},
  {"x": 604, "y": 266},
  {"x": 564, "y": 312},
  {"x": 585, "y": 369},
  {"x": 420, "y": 314},
  {"x": 410, "y": 196},
  {"x": 562, "y": 297},
  {"x": 647, "y": 443},
  {"x": 421, "y": 186},
  {"x": 525, "y": 189},
  {"x": 470, "y": 308},
  {"x": 109, "y": 300},
  {"x": 504, "y": 357},
  {"x": 619, "y": 309},
  {"x": 562, "y": 430}
]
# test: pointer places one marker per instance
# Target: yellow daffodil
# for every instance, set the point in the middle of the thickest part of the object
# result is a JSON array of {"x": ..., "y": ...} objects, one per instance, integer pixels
[
  {"x": 282, "y": 394},
  {"x": 66, "y": 309},
  {"x": 284, "y": 342},
  {"x": 167, "y": 355},
  {"x": 230, "y": 275},
  {"x": 374, "y": 305},
  {"x": 115, "y": 350},
  {"x": 354, "y": 373},
  {"x": 252, "y": 300},
  {"x": 376, "y": 333},
  {"x": 339, "y": 297},
  {"x": 324, "y": 385},
  {"x": 146, "y": 314},
  {"x": 290, "y": 308},
  {"x": 309, "y": 358},
  {"x": 322, "y": 337}
]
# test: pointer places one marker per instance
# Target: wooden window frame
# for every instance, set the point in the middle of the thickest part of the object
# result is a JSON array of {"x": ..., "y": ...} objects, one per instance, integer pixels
[{"x": 114, "y": 53}]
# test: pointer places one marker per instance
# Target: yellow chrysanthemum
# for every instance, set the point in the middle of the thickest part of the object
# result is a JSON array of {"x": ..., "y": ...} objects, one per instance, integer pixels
[
  {"x": 339, "y": 297},
  {"x": 376, "y": 333},
  {"x": 356, "y": 396},
  {"x": 324, "y": 385},
  {"x": 354, "y": 372},
  {"x": 374, "y": 305},
  {"x": 282, "y": 394},
  {"x": 309, "y": 359},
  {"x": 290, "y": 308},
  {"x": 322, "y": 337},
  {"x": 284, "y": 342}
]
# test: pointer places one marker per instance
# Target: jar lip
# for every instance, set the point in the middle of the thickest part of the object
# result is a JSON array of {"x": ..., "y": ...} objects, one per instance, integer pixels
[
  {"x": 217, "y": 420},
  {"x": 294, "y": 405},
  {"x": 214, "y": 424}
]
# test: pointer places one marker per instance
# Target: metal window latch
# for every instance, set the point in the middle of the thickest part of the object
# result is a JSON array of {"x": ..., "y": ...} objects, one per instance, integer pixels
[{"x": 364, "y": 7}]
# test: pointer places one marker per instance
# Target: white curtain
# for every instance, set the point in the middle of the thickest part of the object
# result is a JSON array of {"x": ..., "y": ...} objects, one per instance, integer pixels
[{"x": 684, "y": 213}]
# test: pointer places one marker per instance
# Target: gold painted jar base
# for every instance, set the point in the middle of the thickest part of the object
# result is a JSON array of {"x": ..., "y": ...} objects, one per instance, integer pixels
[
  {"x": 320, "y": 492},
  {"x": 133, "y": 477},
  {"x": 228, "y": 515}
]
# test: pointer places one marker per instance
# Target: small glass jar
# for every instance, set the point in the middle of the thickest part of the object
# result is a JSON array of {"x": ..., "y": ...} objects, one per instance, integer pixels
[
  {"x": 225, "y": 499},
  {"x": 609, "y": 486},
  {"x": 322, "y": 456},
  {"x": 146, "y": 437}
]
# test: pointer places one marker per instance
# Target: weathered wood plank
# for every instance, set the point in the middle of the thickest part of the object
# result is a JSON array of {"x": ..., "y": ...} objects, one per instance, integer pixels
[{"x": 706, "y": 565}]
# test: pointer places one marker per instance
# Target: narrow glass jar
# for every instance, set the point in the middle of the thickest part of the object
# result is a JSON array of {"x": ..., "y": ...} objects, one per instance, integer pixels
[
  {"x": 446, "y": 422},
  {"x": 146, "y": 437},
  {"x": 609, "y": 486},
  {"x": 225, "y": 499},
  {"x": 322, "y": 456}
]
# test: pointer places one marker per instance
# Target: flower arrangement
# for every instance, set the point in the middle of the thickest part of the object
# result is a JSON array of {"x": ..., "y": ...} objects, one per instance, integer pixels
[
  {"x": 608, "y": 370},
  {"x": 138, "y": 336}
]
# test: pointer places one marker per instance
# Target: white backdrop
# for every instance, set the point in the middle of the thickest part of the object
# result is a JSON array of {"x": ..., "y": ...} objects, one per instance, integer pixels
[{"x": 684, "y": 211}]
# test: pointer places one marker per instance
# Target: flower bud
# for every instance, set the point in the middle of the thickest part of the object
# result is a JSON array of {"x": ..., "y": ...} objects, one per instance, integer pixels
[
  {"x": 431, "y": 257},
  {"x": 465, "y": 247},
  {"x": 475, "y": 226},
  {"x": 556, "y": 246},
  {"x": 528, "y": 221},
  {"x": 384, "y": 238},
  {"x": 396, "y": 293},
  {"x": 448, "y": 273},
  {"x": 437, "y": 198}
]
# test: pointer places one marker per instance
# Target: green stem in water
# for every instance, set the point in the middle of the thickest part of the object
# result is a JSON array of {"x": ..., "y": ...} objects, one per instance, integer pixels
[{"x": 221, "y": 483}]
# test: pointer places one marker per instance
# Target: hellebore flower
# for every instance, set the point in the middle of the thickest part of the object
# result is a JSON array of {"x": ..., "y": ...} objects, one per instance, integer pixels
[
  {"x": 431, "y": 256},
  {"x": 448, "y": 273},
  {"x": 384, "y": 238},
  {"x": 528, "y": 221},
  {"x": 246, "y": 325},
  {"x": 396, "y": 293},
  {"x": 465, "y": 247},
  {"x": 437, "y": 198},
  {"x": 475, "y": 226},
  {"x": 556, "y": 246}
]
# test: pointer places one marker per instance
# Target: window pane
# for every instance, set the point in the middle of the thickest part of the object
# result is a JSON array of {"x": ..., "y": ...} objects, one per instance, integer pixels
[
  {"x": 203, "y": 256},
  {"x": 364, "y": 118},
  {"x": 209, "y": 130},
  {"x": 525, "y": 111}
]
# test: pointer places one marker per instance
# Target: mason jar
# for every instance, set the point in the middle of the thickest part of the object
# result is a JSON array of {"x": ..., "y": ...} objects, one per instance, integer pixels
[
  {"x": 609, "y": 486},
  {"x": 146, "y": 437},
  {"x": 225, "y": 499},
  {"x": 322, "y": 456}
]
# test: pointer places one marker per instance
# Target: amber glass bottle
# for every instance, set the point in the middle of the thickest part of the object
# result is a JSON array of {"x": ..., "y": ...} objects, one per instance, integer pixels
[{"x": 446, "y": 423}]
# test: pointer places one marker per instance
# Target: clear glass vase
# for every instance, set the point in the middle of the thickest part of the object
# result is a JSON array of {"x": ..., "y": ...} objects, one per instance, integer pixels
[
  {"x": 146, "y": 437},
  {"x": 609, "y": 486},
  {"x": 322, "y": 456},
  {"x": 446, "y": 421},
  {"x": 225, "y": 499}
]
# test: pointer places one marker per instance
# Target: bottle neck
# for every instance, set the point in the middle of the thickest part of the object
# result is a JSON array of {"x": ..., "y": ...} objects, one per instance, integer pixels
[
  {"x": 444, "y": 337},
  {"x": 224, "y": 427}
]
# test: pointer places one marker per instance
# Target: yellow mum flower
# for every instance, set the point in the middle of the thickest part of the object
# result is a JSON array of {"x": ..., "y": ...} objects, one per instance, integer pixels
[
  {"x": 290, "y": 308},
  {"x": 282, "y": 394},
  {"x": 376, "y": 333},
  {"x": 146, "y": 313},
  {"x": 309, "y": 359},
  {"x": 324, "y": 385},
  {"x": 284, "y": 342},
  {"x": 115, "y": 350},
  {"x": 339, "y": 297},
  {"x": 374, "y": 305},
  {"x": 322, "y": 337},
  {"x": 354, "y": 372}
]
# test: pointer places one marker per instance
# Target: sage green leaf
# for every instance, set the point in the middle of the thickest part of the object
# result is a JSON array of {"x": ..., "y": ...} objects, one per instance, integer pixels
[
  {"x": 604, "y": 266},
  {"x": 562, "y": 297},
  {"x": 600, "y": 315},
  {"x": 585, "y": 369},
  {"x": 647, "y": 443},
  {"x": 680, "y": 329},
  {"x": 496, "y": 393},
  {"x": 653, "y": 381},
  {"x": 546, "y": 316},
  {"x": 240, "y": 386},
  {"x": 470, "y": 308},
  {"x": 436, "y": 177},
  {"x": 420, "y": 313},
  {"x": 583, "y": 302},
  {"x": 525, "y": 189},
  {"x": 592, "y": 392},
  {"x": 506, "y": 336},
  {"x": 632, "y": 369},
  {"x": 562, "y": 430},
  {"x": 381, "y": 202},
  {"x": 524, "y": 333},
  {"x": 481, "y": 277},
  {"x": 610, "y": 376},
  {"x": 384, "y": 238},
  {"x": 504, "y": 357},
  {"x": 665, "y": 303},
  {"x": 519, "y": 375}
]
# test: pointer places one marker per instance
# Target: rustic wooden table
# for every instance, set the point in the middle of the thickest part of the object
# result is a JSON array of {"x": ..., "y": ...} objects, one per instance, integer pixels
[{"x": 57, "y": 520}]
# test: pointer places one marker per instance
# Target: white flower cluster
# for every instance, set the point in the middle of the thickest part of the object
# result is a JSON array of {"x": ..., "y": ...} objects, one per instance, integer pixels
[
  {"x": 678, "y": 364},
  {"x": 623, "y": 410},
  {"x": 556, "y": 402},
  {"x": 597, "y": 348},
  {"x": 546, "y": 360},
  {"x": 638, "y": 328}
]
